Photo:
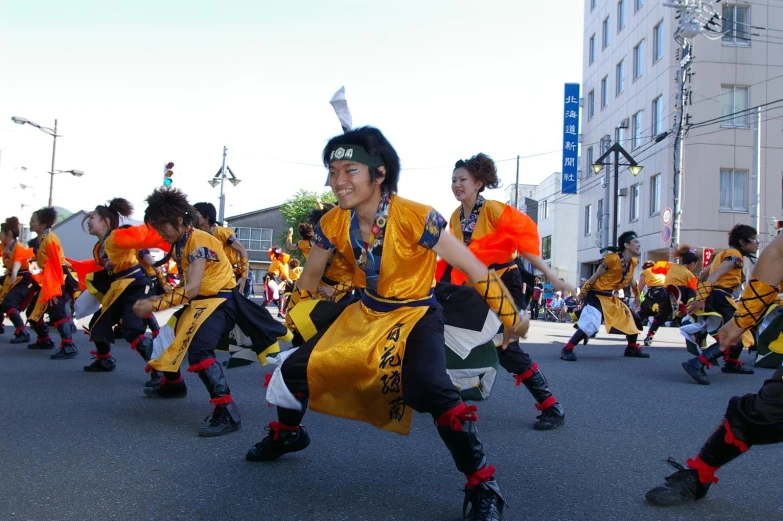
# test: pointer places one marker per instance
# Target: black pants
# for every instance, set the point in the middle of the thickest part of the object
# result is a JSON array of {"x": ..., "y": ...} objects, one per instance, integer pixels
[
  {"x": 654, "y": 296},
  {"x": 15, "y": 298},
  {"x": 426, "y": 387},
  {"x": 217, "y": 326},
  {"x": 133, "y": 327},
  {"x": 757, "y": 419},
  {"x": 718, "y": 302},
  {"x": 59, "y": 317}
]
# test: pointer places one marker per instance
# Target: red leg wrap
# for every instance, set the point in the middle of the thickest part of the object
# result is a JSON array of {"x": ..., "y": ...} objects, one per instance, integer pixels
[
  {"x": 456, "y": 416},
  {"x": 546, "y": 404},
  {"x": 10, "y": 312},
  {"x": 267, "y": 379},
  {"x": 706, "y": 472},
  {"x": 155, "y": 334},
  {"x": 19, "y": 330},
  {"x": 704, "y": 361},
  {"x": 62, "y": 321},
  {"x": 164, "y": 380},
  {"x": 201, "y": 366},
  {"x": 276, "y": 427},
  {"x": 731, "y": 440},
  {"x": 634, "y": 346},
  {"x": 99, "y": 356},
  {"x": 222, "y": 400},
  {"x": 480, "y": 476},
  {"x": 569, "y": 346},
  {"x": 526, "y": 375},
  {"x": 135, "y": 343}
]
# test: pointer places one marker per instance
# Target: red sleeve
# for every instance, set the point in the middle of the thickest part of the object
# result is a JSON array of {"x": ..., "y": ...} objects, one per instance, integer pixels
[
  {"x": 139, "y": 238},
  {"x": 84, "y": 268},
  {"x": 53, "y": 276}
]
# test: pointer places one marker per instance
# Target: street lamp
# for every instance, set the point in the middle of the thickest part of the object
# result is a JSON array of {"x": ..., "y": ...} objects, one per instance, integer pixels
[
  {"x": 219, "y": 178},
  {"x": 635, "y": 169},
  {"x": 75, "y": 173},
  {"x": 51, "y": 132}
]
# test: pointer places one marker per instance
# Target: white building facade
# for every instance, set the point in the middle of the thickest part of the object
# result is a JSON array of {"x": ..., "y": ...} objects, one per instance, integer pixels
[{"x": 630, "y": 95}]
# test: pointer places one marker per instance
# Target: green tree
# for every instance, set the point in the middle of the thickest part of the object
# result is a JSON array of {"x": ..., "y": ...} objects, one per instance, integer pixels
[{"x": 297, "y": 209}]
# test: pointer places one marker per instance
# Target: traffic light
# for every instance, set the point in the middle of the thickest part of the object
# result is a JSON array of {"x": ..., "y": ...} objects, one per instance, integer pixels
[{"x": 168, "y": 174}]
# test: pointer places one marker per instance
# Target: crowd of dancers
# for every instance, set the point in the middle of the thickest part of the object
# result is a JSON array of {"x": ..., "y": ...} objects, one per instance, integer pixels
[{"x": 365, "y": 315}]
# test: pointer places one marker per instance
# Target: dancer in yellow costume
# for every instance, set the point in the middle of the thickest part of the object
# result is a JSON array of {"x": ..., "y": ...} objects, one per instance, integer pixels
[
  {"x": 497, "y": 233},
  {"x": 385, "y": 355},
  {"x": 752, "y": 419},
  {"x": 18, "y": 286},
  {"x": 600, "y": 303},
  {"x": 52, "y": 297},
  {"x": 212, "y": 307},
  {"x": 651, "y": 286},
  {"x": 234, "y": 250},
  {"x": 714, "y": 305}
]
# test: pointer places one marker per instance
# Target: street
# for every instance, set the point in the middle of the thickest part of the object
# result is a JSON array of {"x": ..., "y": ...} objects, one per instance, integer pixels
[{"x": 79, "y": 446}]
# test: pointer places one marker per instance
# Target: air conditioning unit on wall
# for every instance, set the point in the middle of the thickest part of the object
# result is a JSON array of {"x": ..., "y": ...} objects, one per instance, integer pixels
[{"x": 623, "y": 123}]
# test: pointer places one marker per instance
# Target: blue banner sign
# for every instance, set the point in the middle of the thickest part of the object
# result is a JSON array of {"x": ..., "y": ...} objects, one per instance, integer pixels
[{"x": 570, "y": 139}]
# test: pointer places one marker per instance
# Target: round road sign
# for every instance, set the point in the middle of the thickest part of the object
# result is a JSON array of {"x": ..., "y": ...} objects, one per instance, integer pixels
[
  {"x": 666, "y": 233},
  {"x": 666, "y": 215}
]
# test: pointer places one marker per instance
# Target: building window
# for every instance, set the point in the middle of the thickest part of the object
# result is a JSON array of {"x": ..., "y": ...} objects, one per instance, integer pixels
[
  {"x": 592, "y": 5},
  {"x": 638, "y": 60},
  {"x": 620, "y": 78},
  {"x": 591, "y": 105},
  {"x": 619, "y": 134},
  {"x": 638, "y": 4},
  {"x": 733, "y": 190},
  {"x": 605, "y": 34},
  {"x": 604, "y": 92},
  {"x": 634, "y": 207},
  {"x": 620, "y": 15},
  {"x": 657, "y": 114},
  {"x": 658, "y": 42},
  {"x": 637, "y": 126},
  {"x": 736, "y": 22},
  {"x": 606, "y": 142},
  {"x": 591, "y": 51},
  {"x": 589, "y": 161},
  {"x": 545, "y": 210},
  {"x": 546, "y": 247},
  {"x": 255, "y": 239},
  {"x": 600, "y": 215},
  {"x": 588, "y": 224},
  {"x": 655, "y": 194},
  {"x": 734, "y": 99}
]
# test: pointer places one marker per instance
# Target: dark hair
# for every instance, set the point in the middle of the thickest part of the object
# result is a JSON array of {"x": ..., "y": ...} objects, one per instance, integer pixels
[
  {"x": 207, "y": 211},
  {"x": 46, "y": 216},
  {"x": 686, "y": 254},
  {"x": 374, "y": 143},
  {"x": 306, "y": 231},
  {"x": 647, "y": 265},
  {"x": 293, "y": 263},
  {"x": 112, "y": 211},
  {"x": 165, "y": 205},
  {"x": 741, "y": 232},
  {"x": 482, "y": 168},
  {"x": 626, "y": 237},
  {"x": 11, "y": 225},
  {"x": 315, "y": 215}
]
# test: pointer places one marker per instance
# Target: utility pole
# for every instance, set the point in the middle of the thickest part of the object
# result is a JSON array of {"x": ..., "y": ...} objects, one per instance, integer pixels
[
  {"x": 516, "y": 188},
  {"x": 54, "y": 148},
  {"x": 694, "y": 17},
  {"x": 755, "y": 212},
  {"x": 607, "y": 194}
]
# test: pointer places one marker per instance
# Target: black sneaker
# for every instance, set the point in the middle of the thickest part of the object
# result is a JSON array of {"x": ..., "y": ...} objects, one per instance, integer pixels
[
  {"x": 568, "y": 355},
  {"x": 277, "y": 443},
  {"x": 735, "y": 368},
  {"x": 223, "y": 420},
  {"x": 22, "y": 338},
  {"x": 635, "y": 352},
  {"x": 101, "y": 365},
  {"x": 167, "y": 390},
  {"x": 65, "y": 352},
  {"x": 681, "y": 487},
  {"x": 41, "y": 344},
  {"x": 695, "y": 368},
  {"x": 483, "y": 502},
  {"x": 550, "y": 418},
  {"x": 648, "y": 341}
]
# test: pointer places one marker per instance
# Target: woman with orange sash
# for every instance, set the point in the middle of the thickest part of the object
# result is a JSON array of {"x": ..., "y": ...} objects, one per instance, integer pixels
[
  {"x": 212, "y": 307},
  {"x": 680, "y": 285},
  {"x": 601, "y": 303},
  {"x": 51, "y": 298},
  {"x": 18, "y": 287},
  {"x": 714, "y": 306},
  {"x": 385, "y": 355},
  {"x": 116, "y": 253},
  {"x": 496, "y": 233}
]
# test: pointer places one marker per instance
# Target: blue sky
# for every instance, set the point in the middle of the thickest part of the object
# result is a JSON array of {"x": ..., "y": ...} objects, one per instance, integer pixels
[{"x": 137, "y": 84}]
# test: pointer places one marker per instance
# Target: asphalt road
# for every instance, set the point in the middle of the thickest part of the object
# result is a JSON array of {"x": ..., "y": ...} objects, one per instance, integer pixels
[{"x": 79, "y": 446}]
